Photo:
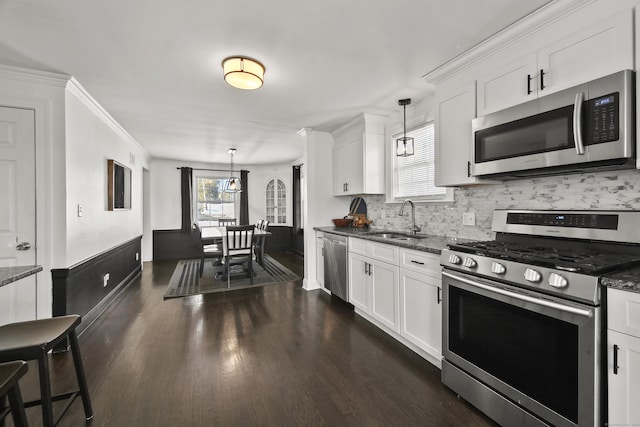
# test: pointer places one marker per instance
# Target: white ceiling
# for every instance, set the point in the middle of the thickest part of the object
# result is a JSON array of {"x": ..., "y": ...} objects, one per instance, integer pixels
[{"x": 155, "y": 65}]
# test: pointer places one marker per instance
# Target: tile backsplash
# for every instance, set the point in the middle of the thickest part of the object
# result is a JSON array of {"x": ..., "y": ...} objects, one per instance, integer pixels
[{"x": 616, "y": 190}]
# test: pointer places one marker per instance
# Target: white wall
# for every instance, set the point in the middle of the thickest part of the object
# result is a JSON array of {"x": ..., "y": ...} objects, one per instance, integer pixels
[
  {"x": 321, "y": 206},
  {"x": 93, "y": 137}
]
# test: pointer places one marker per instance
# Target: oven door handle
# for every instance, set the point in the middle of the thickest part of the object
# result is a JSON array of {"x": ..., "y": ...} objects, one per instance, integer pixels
[{"x": 526, "y": 298}]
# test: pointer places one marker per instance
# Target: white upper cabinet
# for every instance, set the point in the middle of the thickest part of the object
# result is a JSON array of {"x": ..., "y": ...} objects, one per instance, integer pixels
[
  {"x": 453, "y": 146},
  {"x": 595, "y": 51},
  {"x": 358, "y": 156}
]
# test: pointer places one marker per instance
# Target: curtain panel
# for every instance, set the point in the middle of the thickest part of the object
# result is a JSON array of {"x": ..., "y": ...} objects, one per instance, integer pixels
[
  {"x": 244, "y": 197},
  {"x": 186, "y": 195}
]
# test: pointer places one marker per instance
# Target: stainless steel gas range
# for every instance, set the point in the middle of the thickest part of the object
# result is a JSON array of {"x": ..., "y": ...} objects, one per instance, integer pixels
[{"x": 522, "y": 314}]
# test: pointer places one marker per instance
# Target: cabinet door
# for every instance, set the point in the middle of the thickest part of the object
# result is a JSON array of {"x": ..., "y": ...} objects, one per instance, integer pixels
[
  {"x": 354, "y": 167},
  {"x": 385, "y": 294},
  {"x": 359, "y": 282},
  {"x": 624, "y": 387},
  {"x": 454, "y": 142},
  {"x": 339, "y": 170},
  {"x": 421, "y": 308},
  {"x": 601, "y": 49},
  {"x": 509, "y": 85}
]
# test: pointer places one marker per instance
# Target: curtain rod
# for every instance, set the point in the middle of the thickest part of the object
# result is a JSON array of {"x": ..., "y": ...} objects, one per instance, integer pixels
[{"x": 214, "y": 170}]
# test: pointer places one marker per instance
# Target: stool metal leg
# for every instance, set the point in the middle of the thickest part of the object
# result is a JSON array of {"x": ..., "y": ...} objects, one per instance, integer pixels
[
  {"x": 45, "y": 390},
  {"x": 82, "y": 381},
  {"x": 17, "y": 407}
]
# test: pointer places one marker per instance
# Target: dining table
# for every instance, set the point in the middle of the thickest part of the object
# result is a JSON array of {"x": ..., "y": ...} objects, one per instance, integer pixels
[{"x": 211, "y": 235}]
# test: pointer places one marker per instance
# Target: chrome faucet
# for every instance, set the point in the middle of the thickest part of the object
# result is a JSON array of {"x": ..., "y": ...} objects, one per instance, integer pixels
[{"x": 414, "y": 227}]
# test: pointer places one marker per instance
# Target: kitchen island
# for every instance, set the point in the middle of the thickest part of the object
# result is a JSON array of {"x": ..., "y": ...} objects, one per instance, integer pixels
[{"x": 12, "y": 274}]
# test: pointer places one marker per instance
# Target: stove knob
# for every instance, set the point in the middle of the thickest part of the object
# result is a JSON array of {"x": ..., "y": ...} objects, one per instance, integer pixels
[
  {"x": 532, "y": 275},
  {"x": 454, "y": 259},
  {"x": 498, "y": 268},
  {"x": 470, "y": 262},
  {"x": 557, "y": 281}
]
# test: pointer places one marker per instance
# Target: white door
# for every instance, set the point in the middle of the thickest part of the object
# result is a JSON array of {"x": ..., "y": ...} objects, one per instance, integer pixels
[{"x": 17, "y": 211}]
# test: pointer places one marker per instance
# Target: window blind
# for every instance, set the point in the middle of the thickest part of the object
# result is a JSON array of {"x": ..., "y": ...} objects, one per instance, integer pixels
[{"x": 414, "y": 175}]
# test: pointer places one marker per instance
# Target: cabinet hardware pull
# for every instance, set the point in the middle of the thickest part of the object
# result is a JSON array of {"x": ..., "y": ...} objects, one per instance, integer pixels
[
  {"x": 417, "y": 262},
  {"x": 468, "y": 169},
  {"x": 615, "y": 359},
  {"x": 528, "y": 84},
  {"x": 439, "y": 295},
  {"x": 541, "y": 79},
  {"x": 366, "y": 268}
]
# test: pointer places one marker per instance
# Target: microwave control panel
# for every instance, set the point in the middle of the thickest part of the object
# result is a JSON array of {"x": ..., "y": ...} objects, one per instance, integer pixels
[{"x": 603, "y": 119}]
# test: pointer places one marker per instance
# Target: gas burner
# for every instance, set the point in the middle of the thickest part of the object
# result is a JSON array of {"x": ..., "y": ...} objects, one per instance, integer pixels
[{"x": 585, "y": 260}]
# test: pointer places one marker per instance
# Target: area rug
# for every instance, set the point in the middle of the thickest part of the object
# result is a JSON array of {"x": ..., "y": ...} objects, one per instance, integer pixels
[{"x": 186, "y": 279}]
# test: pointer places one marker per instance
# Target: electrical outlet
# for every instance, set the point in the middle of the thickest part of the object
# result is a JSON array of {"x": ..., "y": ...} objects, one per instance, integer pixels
[
  {"x": 469, "y": 218},
  {"x": 382, "y": 214},
  {"x": 105, "y": 280}
]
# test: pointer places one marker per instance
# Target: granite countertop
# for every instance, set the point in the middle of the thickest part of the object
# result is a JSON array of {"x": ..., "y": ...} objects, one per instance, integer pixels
[
  {"x": 12, "y": 274},
  {"x": 424, "y": 242},
  {"x": 628, "y": 279}
]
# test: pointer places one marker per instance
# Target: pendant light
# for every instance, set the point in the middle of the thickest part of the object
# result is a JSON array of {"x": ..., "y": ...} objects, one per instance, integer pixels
[
  {"x": 233, "y": 184},
  {"x": 404, "y": 145}
]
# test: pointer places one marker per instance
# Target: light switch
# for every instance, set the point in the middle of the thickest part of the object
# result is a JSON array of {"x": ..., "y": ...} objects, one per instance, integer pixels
[
  {"x": 79, "y": 210},
  {"x": 469, "y": 218}
]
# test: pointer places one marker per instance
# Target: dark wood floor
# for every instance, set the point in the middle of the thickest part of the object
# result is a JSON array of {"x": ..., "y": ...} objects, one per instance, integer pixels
[{"x": 271, "y": 356}]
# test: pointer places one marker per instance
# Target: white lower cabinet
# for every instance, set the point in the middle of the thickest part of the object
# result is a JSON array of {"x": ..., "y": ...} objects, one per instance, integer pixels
[
  {"x": 359, "y": 282},
  {"x": 623, "y": 357},
  {"x": 385, "y": 294},
  {"x": 420, "y": 302},
  {"x": 399, "y": 291}
]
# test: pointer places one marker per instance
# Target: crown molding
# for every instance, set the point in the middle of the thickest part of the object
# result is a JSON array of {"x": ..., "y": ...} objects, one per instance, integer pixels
[
  {"x": 33, "y": 76},
  {"x": 80, "y": 93},
  {"x": 537, "y": 20}
]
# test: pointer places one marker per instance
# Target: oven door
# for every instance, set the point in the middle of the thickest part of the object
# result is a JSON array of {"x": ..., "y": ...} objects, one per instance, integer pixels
[{"x": 539, "y": 352}]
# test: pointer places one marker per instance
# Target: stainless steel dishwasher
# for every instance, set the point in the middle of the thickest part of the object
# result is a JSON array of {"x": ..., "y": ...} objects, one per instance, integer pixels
[{"x": 335, "y": 265}]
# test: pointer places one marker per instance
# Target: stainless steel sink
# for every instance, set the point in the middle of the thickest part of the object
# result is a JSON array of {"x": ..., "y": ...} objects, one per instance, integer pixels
[{"x": 397, "y": 236}]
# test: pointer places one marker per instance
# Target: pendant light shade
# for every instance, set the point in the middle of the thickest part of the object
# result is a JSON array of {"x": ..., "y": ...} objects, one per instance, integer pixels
[
  {"x": 233, "y": 184},
  {"x": 404, "y": 145},
  {"x": 243, "y": 73}
]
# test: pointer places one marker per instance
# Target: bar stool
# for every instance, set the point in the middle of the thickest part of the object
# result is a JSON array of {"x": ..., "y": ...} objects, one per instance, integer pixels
[
  {"x": 32, "y": 340},
  {"x": 10, "y": 373}
]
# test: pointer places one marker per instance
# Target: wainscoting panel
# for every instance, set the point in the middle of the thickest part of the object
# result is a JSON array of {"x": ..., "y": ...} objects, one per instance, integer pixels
[
  {"x": 81, "y": 289},
  {"x": 174, "y": 244}
]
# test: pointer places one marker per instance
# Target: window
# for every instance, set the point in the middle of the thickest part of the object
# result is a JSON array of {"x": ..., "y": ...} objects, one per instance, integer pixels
[
  {"x": 211, "y": 203},
  {"x": 413, "y": 176},
  {"x": 276, "y": 201}
]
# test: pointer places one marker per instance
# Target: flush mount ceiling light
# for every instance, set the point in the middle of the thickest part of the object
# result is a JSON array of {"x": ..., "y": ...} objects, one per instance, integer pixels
[
  {"x": 404, "y": 145},
  {"x": 243, "y": 73},
  {"x": 233, "y": 184}
]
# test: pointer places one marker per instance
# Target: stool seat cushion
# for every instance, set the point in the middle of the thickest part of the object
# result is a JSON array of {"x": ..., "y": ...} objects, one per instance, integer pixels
[{"x": 25, "y": 340}]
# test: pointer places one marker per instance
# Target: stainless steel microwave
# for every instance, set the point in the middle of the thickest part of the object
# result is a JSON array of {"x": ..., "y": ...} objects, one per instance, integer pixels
[{"x": 586, "y": 127}]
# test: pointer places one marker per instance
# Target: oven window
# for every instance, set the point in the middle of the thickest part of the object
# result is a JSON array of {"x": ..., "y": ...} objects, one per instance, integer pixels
[
  {"x": 533, "y": 353},
  {"x": 549, "y": 131}
]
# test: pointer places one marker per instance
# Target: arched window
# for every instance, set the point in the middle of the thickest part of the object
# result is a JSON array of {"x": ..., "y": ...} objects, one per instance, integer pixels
[{"x": 276, "y": 201}]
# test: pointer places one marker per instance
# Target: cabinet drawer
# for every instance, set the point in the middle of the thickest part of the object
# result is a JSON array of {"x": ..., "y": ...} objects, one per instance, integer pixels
[
  {"x": 374, "y": 250},
  {"x": 358, "y": 246},
  {"x": 421, "y": 262},
  {"x": 623, "y": 311},
  {"x": 382, "y": 252}
]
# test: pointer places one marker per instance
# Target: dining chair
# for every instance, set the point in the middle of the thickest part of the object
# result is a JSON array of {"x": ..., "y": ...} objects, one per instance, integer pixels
[
  {"x": 262, "y": 225},
  {"x": 223, "y": 222},
  {"x": 209, "y": 248},
  {"x": 238, "y": 249}
]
